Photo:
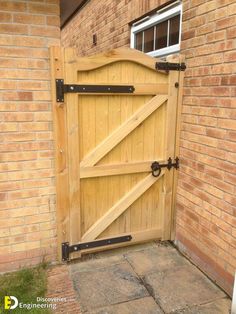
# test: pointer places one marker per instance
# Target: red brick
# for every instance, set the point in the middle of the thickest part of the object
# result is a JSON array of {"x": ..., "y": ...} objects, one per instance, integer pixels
[
  {"x": 13, "y": 29},
  {"x": 228, "y": 218},
  {"x": 18, "y": 96},
  {"x": 53, "y": 21},
  {"x": 45, "y": 31},
  {"x": 3, "y": 196},
  {"x": 206, "y": 7},
  {"x": 34, "y": 126},
  {"x": 189, "y": 14},
  {"x": 205, "y": 29},
  {"x": 5, "y": 17},
  {"x": 23, "y": 52},
  {"x": 231, "y": 32},
  {"x": 230, "y": 56},
  {"x": 13, "y": 6},
  {"x": 227, "y": 124},
  {"x": 43, "y": 8},
  {"x": 225, "y": 22},
  {"x": 215, "y": 132},
  {"x": 231, "y": 135},
  {"x": 216, "y": 36},
  {"x": 31, "y": 19},
  {"x": 210, "y": 81},
  {"x": 188, "y": 34}
]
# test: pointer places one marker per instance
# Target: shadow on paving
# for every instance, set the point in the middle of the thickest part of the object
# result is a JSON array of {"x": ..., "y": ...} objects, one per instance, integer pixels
[{"x": 145, "y": 279}]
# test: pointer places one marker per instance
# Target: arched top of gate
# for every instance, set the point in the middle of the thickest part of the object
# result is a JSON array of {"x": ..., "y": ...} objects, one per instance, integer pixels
[{"x": 115, "y": 55}]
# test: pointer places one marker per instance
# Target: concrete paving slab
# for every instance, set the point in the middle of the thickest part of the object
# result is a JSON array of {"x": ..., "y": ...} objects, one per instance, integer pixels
[
  {"x": 155, "y": 260},
  {"x": 181, "y": 287},
  {"x": 107, "y": 286},
  {"x": 96, "y": 263},
  {"x": 141, "y": 306},
  {"x": 221, "y": 306}
]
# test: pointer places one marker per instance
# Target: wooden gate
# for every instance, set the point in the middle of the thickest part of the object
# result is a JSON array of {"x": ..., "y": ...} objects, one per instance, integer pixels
[{"x": 114, "y": 115}]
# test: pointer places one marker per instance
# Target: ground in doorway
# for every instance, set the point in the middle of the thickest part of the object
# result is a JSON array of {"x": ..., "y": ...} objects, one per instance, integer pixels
[{"x": 152, "y": 278}]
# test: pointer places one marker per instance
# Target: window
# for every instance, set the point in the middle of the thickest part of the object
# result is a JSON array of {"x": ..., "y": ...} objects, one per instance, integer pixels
[{"x": 159, "y": 34}]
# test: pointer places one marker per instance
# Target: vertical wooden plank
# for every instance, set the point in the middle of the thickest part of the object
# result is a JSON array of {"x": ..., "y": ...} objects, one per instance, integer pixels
[
  {"x": 170, "y": 126},
  {"x": 87, "y": 142},
  {"x": 73, "y": 147},
  {"x": 61, "y": 152},
  {"x": 148, "y": 154},
  {"x": 137, "y": 149},
  {"x": 87, "y": 133},
  {"x": 156, "y": 219},
  {"x": 114, "y": 77},
  {"x": 177, "y": 143},
  {"x": 126, "y": 147},
  {"x": 101, "y": 187}
]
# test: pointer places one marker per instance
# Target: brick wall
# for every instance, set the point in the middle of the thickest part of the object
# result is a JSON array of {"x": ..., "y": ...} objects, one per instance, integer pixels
[
  {"x": 27, "y": 188},
  {"x": 206, "y": 208},
  {"x": 206, "y": 202},
  {"x": 108, "y": 20}
]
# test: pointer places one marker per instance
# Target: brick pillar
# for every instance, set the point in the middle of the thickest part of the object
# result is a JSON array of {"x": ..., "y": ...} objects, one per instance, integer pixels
[
  {"x": 27, "y": 188},
  {"x": 207, "y": 183}
]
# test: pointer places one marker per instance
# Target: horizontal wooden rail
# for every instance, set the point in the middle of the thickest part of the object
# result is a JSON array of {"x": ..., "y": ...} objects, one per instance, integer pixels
[
  {"x": 115, "y": 169},
  {"x": 116, "y": 55}
]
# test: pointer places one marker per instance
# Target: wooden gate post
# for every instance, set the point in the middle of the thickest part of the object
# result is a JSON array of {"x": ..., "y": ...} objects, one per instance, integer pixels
[
  {"x": 60, "y": 145},
  {"x": 178, "y": 77},
  {"x": 73, "y": 147},
  {"x": 169, "y": 149}
]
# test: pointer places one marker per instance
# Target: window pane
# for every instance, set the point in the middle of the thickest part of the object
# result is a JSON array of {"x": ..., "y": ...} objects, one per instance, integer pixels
[
  {"x": 149, "y": 39},
  {"x": 138, "y": 41},
  {"x": 161, "y": 35},
  {"x": 174, "y": 30}
]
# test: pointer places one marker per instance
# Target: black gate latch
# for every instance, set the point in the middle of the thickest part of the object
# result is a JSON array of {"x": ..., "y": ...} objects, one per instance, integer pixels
[
  {"x": 170, "y": 66},
  {"x": 156, "y": 166}
]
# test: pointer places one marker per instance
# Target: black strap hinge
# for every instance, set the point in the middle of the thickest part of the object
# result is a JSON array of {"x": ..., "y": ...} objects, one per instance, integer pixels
[
  {"x": 67, "y": 248},
  {"x": 169, "y": 66},
  {"x": 62, "y": 88}
]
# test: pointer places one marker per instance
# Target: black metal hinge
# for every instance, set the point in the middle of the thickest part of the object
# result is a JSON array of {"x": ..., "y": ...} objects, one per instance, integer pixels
[
  {"x": 67, "y": 248},
  {"x": 62, "y": 88},
  {"x": 156, "y": 166},
  {"x": 169, "y": 66}
]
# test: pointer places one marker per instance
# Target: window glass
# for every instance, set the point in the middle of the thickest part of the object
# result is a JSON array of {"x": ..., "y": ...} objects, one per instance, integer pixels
[
  {"x": 161, "y": 35},
  {"x": 138, "y": 41},
  {"x": 149, "y": 39},
  {"x": 174, "y": 30}
]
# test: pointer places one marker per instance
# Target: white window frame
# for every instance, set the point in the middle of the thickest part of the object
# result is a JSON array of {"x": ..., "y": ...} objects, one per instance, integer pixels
[{"x": 153, "y": 20}]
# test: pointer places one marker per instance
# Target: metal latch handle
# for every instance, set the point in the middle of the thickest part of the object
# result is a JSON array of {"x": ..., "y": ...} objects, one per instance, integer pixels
[{"x": 156, "y": 166}]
